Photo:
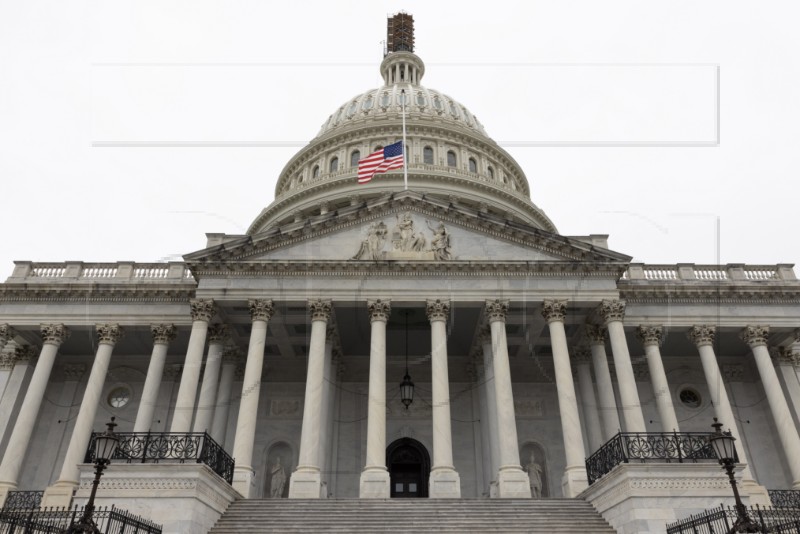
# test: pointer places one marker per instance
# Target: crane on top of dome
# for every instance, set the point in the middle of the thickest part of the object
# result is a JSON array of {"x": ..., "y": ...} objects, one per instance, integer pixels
[{"x": 399, "y": 33}]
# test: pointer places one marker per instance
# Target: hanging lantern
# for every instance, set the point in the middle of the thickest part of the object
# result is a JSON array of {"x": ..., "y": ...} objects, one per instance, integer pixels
[{"x": 407, "y": 390}]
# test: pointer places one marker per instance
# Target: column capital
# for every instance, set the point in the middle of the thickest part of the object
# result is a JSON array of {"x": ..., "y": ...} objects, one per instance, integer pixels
[
  {"x": 650, "y": 335},
  {"x": 202, "y": 309},
  {"x": 54, "y": 334},
  {"x": 7, "y": 361},
  {"x": 232, "y": 355},
  {"x": 163, "y": 333},
  {"x": 554, "y": 310},
  {"x": 581, "y": 356},
  {"x": 6, "y": 333},
  {"x": 437, "y": 309},
  {"x": 496, "y": 310},
  {"x": 320, "y": 309},
  {"x": 612, "y": 310},
  {"x": 73, "y": 372},
  {"x": 172, "y": 372},
  {"x": 217, "y": 333},
  {"x": 24, "y": 353},
  {"x": 597, "y": 335},
  {"x": 787, "y": 356},
  {"x": 261, "y": 309},
  {"x": 702, "y": 334},
  {"x": 109, "y": 333},
  {"x": 379, "y": 309},
  {"x": 755, "y": 336}
]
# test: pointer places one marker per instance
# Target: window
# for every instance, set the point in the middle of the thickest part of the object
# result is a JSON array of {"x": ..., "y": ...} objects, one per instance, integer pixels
[
  {"x": 352, "y": 109},
  {"x": 490, "y": 172},
  {"x": 427, "y": 155},
  {"x": 367, "y": 103},
  {"x": 119, "y": 397},
  {"x": 334, "y": 165},
  {"x": 385, "y": 100},
  {"x": 473, "y": 165},
  {"x": 690, "y": 398},
  {"x": 421, "y": 99},
  {"x": 315, "y": 173},
  {"x": 354, "y": 157},
  {"x": 451, "y": 158}
]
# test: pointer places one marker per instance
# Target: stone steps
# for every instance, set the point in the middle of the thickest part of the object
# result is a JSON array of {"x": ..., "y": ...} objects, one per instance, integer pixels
[{"x": 412, "y": 515}]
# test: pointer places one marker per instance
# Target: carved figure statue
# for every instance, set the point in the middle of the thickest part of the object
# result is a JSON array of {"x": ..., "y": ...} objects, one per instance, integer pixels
[
  {"x": 404, "y": 238},
  {"x": 534, "y": 471},
  {"x": 277, "y": 479},
  {"x": 372, "y": 246},
  {"x": 440, "y": 244}
]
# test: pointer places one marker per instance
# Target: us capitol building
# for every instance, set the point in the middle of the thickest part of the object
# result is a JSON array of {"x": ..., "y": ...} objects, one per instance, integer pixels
[{"x": 523, "y": 351}]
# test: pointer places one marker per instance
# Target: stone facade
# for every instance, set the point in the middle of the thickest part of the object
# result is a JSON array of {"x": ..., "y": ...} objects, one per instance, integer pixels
[{"x": 528, "y": 349}]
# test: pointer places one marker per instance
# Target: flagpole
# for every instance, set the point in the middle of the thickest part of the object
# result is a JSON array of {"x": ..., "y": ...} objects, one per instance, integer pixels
[{"x": 405, "y": 156}]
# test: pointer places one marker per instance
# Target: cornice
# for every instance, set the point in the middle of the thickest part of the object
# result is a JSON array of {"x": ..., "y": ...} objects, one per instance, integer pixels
[
  {"x": 56, "y": 292},
  {"x": 773, "y": 293}
]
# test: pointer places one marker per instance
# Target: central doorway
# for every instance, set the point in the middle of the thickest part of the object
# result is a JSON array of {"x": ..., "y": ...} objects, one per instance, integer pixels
[{"x": 409, "y": 468}]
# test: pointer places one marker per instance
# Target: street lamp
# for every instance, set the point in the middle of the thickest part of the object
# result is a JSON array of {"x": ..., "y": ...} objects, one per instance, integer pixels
[
  {"x": 104, "y": 445},
  {"x": 725, "y": 450}
]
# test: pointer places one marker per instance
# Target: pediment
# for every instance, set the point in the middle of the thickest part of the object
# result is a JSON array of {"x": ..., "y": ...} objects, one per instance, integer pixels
[{"x": 410, "y": 229}]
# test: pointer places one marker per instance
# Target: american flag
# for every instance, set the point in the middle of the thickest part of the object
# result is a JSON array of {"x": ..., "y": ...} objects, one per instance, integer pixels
[{"x": 385, "y": 159}]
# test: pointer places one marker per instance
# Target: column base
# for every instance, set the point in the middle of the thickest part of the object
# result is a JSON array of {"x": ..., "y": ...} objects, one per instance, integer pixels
[
  {"x": 513, "y": 483},
  {"x": 758, "y": 494},
  {"x": 305, "y": 483},
  {"x": 59, "y": 495},
  {"x": 574, "y": 481},
  {"x": 244, "y": 481},
  {"x": 493, "y": 490},
  {"x": 444, "y": 483},
  {"x": 5, "y": 487},
  {"x": 374, "y": 483}
]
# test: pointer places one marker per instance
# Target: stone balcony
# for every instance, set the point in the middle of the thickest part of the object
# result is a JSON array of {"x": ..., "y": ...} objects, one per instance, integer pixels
[{"x": 123, "y": 272}]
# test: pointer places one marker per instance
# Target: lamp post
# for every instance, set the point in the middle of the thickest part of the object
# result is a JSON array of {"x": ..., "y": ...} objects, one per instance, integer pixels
[
  {"x": 104, "y": 445},
  {"x": 724, "y": 448}
]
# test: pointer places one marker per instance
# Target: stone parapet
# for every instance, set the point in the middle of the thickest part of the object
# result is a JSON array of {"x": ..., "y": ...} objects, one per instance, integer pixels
[{"x": 94, "y": 273}]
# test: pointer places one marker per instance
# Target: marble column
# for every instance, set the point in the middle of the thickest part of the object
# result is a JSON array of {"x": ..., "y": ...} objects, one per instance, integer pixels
[
  {"x": 14, "y": 393},
  {"x": 375, "y": 477},
  {"x": 202, "y": 311},
  {"x": 756, "y": 337},
  {"x": 512, "y": 481},
  {"x": 591, "y": 416},
  {"x": 217, "y": 335},
  {"x": 606, "y": 400},
  {"x": 444, "y": 479},
  {"x": 6, "y": 334},
  {"x": 491, "y": 407},
  {"x": 6, "y": 360},
  {"x": 703, "y": 337},
  {"x": 788, "y": 364},
  {"x": 574, "y": 479},
  {"x": 327, "y": 412},
  {"x": 306, "y": 481},
  {"x": 60, "y": 493},
  {"x": 261, "y": 312},
  {"x": 219, "y": 429},
  {"x": 53, "y": 335},
  {"x": 613, "y": 312},
  {"x": 652, "y": 337},
  {"x": 162, "y": 335}
]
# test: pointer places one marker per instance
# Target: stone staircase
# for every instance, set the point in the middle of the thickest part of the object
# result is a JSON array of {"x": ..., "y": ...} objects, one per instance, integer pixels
[{"x": 412, "y": 515}]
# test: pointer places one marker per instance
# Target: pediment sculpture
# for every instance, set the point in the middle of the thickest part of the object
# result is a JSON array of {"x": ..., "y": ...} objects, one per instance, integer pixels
[{"x": 406, "y": 242}]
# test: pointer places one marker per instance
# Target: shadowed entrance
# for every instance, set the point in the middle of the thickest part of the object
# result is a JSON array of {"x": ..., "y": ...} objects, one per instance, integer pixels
[{"x": 409, "y": 468}]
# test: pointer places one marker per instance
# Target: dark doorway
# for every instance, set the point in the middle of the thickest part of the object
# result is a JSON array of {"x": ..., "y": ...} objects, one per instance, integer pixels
[{"x": 409, "y": 468}]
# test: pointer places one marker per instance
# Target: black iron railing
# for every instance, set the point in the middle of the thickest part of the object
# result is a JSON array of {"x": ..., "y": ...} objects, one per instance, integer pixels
[
  {"x": 720, "y": 520},
  {"x": 155, "y": 447},
  {"x": 785, "y": 498},
  {"x": 56, "y": 521},
  {"x": 23, "y": 499},
  {"x": 656, "y": 447}
]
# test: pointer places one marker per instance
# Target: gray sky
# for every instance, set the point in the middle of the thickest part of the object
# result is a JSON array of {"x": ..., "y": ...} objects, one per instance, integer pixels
[{"x": 129, "y": 129}]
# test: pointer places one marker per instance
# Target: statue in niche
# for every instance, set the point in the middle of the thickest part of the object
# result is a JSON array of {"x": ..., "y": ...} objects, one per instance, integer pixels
[
  {"x": 372, "y": 246},
  {"x": 404, "y": 238},
  {"x": 534, "y": 471},
  {"x": 277, "y": 479},
  {"x": 440, "y": 244}
]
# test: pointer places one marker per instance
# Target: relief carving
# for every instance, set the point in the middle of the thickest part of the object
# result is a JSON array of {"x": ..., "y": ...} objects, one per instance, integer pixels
[
  {"x": 372, "y": 246},
  {"x": 407, "y": 243},
  {"x": 528, "y": 407},
  {"x": 284, "y": 407},
  {"x": 404, "y": 238}
]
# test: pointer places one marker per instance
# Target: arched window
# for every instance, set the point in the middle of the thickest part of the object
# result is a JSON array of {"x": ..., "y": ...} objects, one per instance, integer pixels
[
  {"x": 334, "y": 165},
  {"x": 354, "y": 157},
  {"x": 473, "y": 165},
  {"x": 315, "y": 172},
  {"x": 451, "y": 158},
  {"x": 427, "y": 155},
  {"x": 490, "y": 171}
]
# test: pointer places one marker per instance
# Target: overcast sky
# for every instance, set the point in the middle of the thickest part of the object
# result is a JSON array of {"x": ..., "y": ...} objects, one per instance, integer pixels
[{"x": 130, "y": 129}]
